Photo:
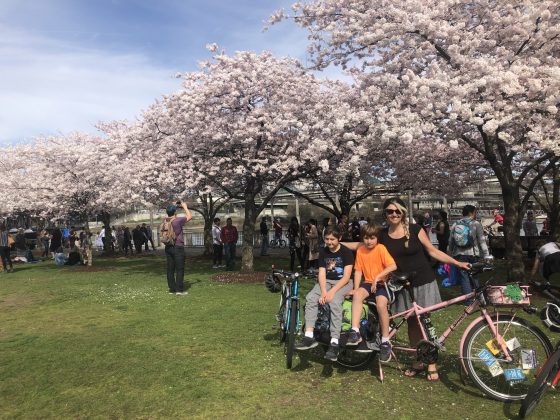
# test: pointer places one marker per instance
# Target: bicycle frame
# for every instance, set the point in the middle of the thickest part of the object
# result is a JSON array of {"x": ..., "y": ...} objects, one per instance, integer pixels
[
  {"x": 290, "y": 293},
  {"x": 417, "y": 310}
]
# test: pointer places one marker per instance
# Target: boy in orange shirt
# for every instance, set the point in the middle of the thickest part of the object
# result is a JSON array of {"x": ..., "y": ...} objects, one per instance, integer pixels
[{"x": 373, "y": 263}]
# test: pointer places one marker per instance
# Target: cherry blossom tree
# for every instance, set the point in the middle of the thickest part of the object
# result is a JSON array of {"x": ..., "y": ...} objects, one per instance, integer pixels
[
  {"x": 483, "y": 74},
  {"x": 247, "y": 125}
]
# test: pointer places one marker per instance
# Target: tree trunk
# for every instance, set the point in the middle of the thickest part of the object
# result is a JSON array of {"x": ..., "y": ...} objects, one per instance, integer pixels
[
  {"x": 107, "y": 248},
  {"x": 208, "y": 222},
  {"x": 554, "y": 214},
  {"x": 248, "y": 233},
  {"x": 512, "y": 225}
]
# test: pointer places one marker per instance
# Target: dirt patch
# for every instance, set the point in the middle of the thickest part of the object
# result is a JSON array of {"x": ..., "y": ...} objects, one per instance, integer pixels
[
  {"x": 87, "y": 269},
  {"x": 17, "y": 301},
  {"x": 230, "y": 277}
]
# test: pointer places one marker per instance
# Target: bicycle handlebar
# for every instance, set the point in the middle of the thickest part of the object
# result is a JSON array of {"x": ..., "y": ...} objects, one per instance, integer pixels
[{"x": 546, "y": 288}]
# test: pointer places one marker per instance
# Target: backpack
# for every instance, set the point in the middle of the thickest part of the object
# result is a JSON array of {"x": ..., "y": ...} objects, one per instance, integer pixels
[
  {"x": 461, "y": 234},
  {"x": 166, "y": 232},
  {"x": 347, "y": 314}
]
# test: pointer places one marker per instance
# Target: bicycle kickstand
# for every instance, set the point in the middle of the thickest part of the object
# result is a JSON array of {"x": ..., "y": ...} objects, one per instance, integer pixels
[{"x": 381, "y": 377}]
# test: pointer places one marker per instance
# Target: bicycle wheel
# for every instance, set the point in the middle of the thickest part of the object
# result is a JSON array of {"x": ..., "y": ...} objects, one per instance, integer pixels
[
  {"x": 291, "y": 338},
  {"x": 272, "y": 243},
  {"x": 496, "y": 385},
  {"x": 538, "y": 389},
  {"x": 282, "y": 316},
  {"x": 281, "y": 243}
]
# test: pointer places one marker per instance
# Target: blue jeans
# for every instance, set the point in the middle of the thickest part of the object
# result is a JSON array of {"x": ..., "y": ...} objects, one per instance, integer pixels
[
  {"x": 175, "y": 256},
  {"x": 229, "y": 251},
  {"x": 464, "y": 280}
]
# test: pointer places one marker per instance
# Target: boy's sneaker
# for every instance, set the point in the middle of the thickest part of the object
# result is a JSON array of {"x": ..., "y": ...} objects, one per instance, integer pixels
[
  {"x": 306, "y": 343},
  {"x": 354, "y": 338},
  {"x": 332, "y": 352},
  {"x": 385, "y": 352}
]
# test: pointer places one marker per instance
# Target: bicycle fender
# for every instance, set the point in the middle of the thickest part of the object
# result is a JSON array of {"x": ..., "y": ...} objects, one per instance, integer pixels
[{"x": 465, "y": 333}]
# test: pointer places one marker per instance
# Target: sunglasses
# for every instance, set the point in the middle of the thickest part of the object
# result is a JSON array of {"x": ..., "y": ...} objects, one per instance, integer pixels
[{"x": 388, "y": 212}]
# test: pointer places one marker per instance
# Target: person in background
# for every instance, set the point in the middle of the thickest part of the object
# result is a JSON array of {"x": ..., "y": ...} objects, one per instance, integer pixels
[
  {"x": 326, "y": 222},
  {"x": 217, "y": 245},
  {"x": 530, "y": 225},
  {"x": 531, "y": 233},
  {"x": 264, "y": 237},
  {"x": 427, "y": 224},
  {"x": 74, "y": 257},
  {"x": 87, "y": 248},
  {"x": 313, "y": 237},
  {"x": 547, "y": 260},
  {"x": 355, "y": 230},
  {"x": 5, "y": 250},
  {"x": 344, "y": 229},
  {"x": 150, "y": 236},
  {"x": 138, "y": 239},
  {"x": 44, "y": 237},
  {"x": 144, "y": 231},
  {"x": 498, "y": 220},
  {"x": 56, "y": 241},
  {"x": 59, "y": 257},
  {"x": 442, "y": 231},
  {"x": 294, "y": 243},
  {"x": 175, "y": 253},
  {"x": 127, "y": 241},
  {"x": 120, "y": 239},
  {"x": 229, "y": 239},
  {"x": 545, "y": 231},
  {"x": 277, "y": 229},
  {"x": 72, "y": 238},
  {"x": 467, "y": 244}
]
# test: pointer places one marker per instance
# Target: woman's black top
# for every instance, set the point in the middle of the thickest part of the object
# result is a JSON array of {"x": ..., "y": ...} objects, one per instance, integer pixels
[{"x": 411, "y": 259}]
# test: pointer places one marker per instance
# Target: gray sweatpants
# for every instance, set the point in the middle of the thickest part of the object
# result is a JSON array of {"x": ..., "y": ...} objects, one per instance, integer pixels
[{"x": 312, "y": 306}]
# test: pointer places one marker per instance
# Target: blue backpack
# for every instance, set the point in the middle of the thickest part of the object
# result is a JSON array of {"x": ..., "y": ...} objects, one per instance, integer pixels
[{"x": 461, "y": 233}]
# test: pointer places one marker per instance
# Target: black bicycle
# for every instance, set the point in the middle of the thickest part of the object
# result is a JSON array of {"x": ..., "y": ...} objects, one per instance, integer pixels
[
  {"x": 549, "y": 375},
  {"x": 277, "y": 243}
]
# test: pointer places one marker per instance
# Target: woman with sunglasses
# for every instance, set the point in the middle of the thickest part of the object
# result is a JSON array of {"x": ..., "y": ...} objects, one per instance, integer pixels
[{"x": 406, "y": 244}]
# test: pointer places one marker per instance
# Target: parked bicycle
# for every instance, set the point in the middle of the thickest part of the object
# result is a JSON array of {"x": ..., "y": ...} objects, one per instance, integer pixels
[
  {"x": 277, "y": 243},
  {"x": 290, "y": 322},
  {"x": 549, "y": 375},
  {"x": 498, "y": 350},
  {"x": 288, "y": 315}
]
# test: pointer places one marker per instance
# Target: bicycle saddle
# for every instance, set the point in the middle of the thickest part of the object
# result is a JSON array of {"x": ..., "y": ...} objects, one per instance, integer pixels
[{"x": 399, "y": 280}]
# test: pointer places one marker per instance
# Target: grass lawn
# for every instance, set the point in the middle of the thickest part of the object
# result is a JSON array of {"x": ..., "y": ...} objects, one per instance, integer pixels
[{"x": 112, "y": 343}]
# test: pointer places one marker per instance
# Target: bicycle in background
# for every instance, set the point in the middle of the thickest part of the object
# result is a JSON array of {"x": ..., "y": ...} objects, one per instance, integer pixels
[{"x": 549, "y": 375}]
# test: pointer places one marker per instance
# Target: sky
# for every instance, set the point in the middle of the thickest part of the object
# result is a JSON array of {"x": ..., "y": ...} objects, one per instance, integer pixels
[{"x": 67, "y": 64}]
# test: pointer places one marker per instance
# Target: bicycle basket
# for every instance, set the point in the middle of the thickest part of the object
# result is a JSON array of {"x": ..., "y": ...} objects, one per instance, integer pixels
[{"x": 510, "y": 295}]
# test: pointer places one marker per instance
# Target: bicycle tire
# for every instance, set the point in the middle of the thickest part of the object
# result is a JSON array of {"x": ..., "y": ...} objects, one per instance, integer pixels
[
  {"x": 497, "y": 387},
  {"x": 291, "y": 338},
  {"x": 353, "y": 359},
  {"x": 282, "y": 243},
  {"x": 539, "y": 388},
  {"x": 282, "y": 315},
  {"x": 272, "y": 243}
]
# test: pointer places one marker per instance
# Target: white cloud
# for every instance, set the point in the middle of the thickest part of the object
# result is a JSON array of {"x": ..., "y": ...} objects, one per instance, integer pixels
[{"x": 50, "y": 86}]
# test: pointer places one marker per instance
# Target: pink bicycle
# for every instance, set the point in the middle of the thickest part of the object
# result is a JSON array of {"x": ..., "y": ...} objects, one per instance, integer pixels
[{"x": 499, "y": 351}]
